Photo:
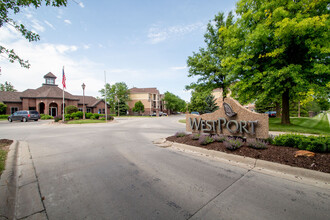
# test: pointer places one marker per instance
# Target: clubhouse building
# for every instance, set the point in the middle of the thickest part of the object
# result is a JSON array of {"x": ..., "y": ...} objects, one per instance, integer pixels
[{"x": 48, "y": 99}]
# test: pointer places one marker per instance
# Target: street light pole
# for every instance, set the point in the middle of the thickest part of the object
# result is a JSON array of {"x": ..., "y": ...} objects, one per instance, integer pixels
[{"x": 83, "y": 87}]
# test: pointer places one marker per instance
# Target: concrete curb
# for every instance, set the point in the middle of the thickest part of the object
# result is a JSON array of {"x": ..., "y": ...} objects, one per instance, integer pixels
[
  {"x": 306, "y": 176},
  {"x": 8, "y": 184}
]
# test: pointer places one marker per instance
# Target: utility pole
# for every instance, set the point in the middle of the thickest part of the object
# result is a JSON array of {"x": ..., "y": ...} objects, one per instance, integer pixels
[{"x": 105, "y": 96}]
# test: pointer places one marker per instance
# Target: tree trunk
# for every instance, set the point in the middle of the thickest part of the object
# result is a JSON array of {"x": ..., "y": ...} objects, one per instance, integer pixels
[
  {"x": 285, "y": 107},
  {"x": 298, "y": 109},
  {"x": 278, "y": 110}
]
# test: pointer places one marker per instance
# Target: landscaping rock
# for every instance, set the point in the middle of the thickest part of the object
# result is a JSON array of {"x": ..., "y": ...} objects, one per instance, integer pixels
[{"x": 304, "y": 153}]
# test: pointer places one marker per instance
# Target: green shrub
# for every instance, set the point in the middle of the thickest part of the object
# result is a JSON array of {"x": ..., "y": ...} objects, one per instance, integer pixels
[
  {"x": 71, "y": 109},
  {"x": 96, "y": 115},
  {"x": 92, "y": 117},
  {"x": 310, "y": 143},
  {"x": 205, "y": 139},
  {"x": 257, "y": 144},
  {"x": 103, "y": 119},
  {"x": 88, "y": 115},
  {"x": 3, "y": 108},
  {"x": 76, "y": 118},
  {"x": 233, "y": 144},
  {"x": 219, "y": 138},
  {"x": 67, "y": 116},
  {"x": 45, "y": 117},
  {"x": 4, "y": 116},
  {"x": 180, "y": 134},
  {"x": 79, "y": 114},
  {"x": 195, "y": 136}
]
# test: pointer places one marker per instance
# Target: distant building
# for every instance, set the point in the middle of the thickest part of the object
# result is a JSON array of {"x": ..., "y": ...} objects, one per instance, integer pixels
[
  {"x": 150, "y": 98},
  {"x": 48, "y": 99}
]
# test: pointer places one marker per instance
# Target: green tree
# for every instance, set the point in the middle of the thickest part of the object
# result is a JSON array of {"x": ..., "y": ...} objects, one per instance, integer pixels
[
  {"x": 202, "y": 101},
  {"x": 9, "y": 7},
  {"x": 3, "y": 108},
  {"x": 138, "y": 107},
  {"x": 123, "y": 108},
  {"x": 7, "y": 86},
  {"x": 174, "y": 103},
  {"x": 118, "y": 92},
  {"x": 207, "y": 63},
  {"x": 278, "y": 48}
]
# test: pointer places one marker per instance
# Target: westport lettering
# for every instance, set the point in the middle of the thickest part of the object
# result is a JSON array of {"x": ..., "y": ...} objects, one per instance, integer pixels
[{"x": 217, "y": 126}]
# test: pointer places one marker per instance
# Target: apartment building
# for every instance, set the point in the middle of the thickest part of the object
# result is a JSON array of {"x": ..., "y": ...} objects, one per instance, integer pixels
[{"x": 150, "y": 98}]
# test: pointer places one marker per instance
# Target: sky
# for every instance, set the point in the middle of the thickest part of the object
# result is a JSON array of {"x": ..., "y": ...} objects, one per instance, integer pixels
[{"x": 143, "y": 43}]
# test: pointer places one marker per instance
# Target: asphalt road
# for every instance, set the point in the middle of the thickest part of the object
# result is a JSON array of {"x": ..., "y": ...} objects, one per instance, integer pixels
[{"x": 113, "y": 171}]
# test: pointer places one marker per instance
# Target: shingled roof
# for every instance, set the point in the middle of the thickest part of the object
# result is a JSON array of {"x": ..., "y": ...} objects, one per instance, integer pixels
[
  {"x": 50, "y": 75},
  {"x": 6, "y": 96},
  {"x": 47, "y": 91},
  {"x": 144, "y": 90},
  {"x": 89, "y": 100}
]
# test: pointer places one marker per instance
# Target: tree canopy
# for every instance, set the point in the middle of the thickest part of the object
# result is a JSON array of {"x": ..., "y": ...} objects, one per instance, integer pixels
[
  {"x": 276, "y": 50},
  {"x": 138, "y": 107},
  {"x": 174, "y": 103},
  {"x": 116, "y": 93},
  {"x": 9, "y": 7},
  {"x": 202, "y": 101},
  {"x": 7, "y": 86}
]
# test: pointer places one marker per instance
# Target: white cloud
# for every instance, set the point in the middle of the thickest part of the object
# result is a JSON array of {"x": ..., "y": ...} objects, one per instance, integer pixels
[
  {"x": 67, "y": 21},
  {"x": 81, "y": 5},
  {"x": 86, "y": 46},
  {"x": 178, "y": 67},
  {"x": 46, "y": 58},
  {"x": 157, "y": 34},
  {"x": 37, "y": 26},
  {"x": 49, "y": 24}
]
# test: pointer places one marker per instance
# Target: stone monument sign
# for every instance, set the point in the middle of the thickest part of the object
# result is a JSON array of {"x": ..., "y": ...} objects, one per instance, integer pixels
[{"x": 231, "y": 119}]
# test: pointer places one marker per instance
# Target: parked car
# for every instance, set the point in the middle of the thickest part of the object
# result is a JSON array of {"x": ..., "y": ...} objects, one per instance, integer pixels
[
  {"x": 153, "y": 114},
  {"x": 271, "y": 113},
  {"x": 195, "y": 113},
  {"x": 24, "y": 115},
  {"x": 164, "y": 114}
]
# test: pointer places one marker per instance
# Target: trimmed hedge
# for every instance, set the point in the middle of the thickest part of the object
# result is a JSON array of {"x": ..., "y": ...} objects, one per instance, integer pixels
[
  {"x": 310, "y": 143},
  {"x": 45, "y": 117},
  {"x": 4, "y": 116}
]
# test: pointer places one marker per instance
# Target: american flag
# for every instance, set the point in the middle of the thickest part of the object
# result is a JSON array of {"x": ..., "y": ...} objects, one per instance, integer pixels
[{"x": 63, "y": 79}]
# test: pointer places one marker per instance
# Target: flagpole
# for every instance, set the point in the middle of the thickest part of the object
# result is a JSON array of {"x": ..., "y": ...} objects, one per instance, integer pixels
[
  {"x": 105, "y": 96},
  {"x": 63, "y": 95}
]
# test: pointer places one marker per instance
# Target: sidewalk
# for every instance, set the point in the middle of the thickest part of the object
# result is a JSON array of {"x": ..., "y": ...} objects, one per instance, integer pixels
[{"x": 19, "y": 193}]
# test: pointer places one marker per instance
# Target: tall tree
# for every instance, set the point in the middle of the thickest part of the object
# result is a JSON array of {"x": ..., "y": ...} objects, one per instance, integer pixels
[
  {"x": 7, "y": 86},
  {"x": 206, "y": 64},
  {"x": 9, "y": 7},
  {"x": 117, "y": 93},
  {"x": 202, "y": 101},
  {"x": 279, "y": 48},
  {"x": 174, "y": 103}
]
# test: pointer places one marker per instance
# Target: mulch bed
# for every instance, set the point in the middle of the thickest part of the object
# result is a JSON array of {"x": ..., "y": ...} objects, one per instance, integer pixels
[
  {"x": 5, "y": 143},
  {"x": 277, "y": 154}
]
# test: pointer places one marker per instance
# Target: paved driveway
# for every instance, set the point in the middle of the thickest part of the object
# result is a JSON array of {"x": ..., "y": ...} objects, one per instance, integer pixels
[{"x": 113, "y": 171}]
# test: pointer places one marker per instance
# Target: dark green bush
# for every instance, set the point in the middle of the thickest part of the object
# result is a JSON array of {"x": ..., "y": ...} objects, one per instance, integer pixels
[
  {"x": 96, "y": 115},
  {"x": 4, "y": 116},
  {"x": 71, "y": 109},
  {"x": 88, "y": 115},
  {"x": 76, "y": 118},
  {"x": 79, "y": 114},
  {"x": 45, "y": 117},
  {"x": 67, "y": 116},
  {"x": 92, "y": 117},
  {"x": 310, "y": 143}
]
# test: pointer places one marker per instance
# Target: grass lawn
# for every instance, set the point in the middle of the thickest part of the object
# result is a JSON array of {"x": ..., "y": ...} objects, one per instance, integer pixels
[
  {"x": 182, "y": 120},
  {"x": 86, "y": 121},
  {"x": 317, "y": 125},
  {"x": 4, "y": 147}
]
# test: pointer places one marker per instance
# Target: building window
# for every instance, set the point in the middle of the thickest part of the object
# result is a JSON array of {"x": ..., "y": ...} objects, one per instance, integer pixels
[
  {"x": 80, "y": 109},
  {"x": 50, "y": 81},
  {"x": 89, "y": 110},
  {"x": 13, "y": 110},
  {"x": 101, "y": 111},
  {"x": 32, "y": 108}
]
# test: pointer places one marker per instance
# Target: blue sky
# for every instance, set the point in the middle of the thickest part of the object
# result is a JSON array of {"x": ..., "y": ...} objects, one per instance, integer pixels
[{"x": 142, "y": 43}]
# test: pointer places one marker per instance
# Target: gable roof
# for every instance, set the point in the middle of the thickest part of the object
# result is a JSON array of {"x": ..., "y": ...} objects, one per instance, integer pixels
[{"x": 144, "y": 90}]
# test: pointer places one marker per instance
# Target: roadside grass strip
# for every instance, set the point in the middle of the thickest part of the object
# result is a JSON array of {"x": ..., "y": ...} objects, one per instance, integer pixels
[{"x": 86, "y": 121}]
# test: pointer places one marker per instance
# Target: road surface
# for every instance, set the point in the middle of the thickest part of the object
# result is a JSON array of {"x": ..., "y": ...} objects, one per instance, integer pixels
[{"x": 113, "y": 171}]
